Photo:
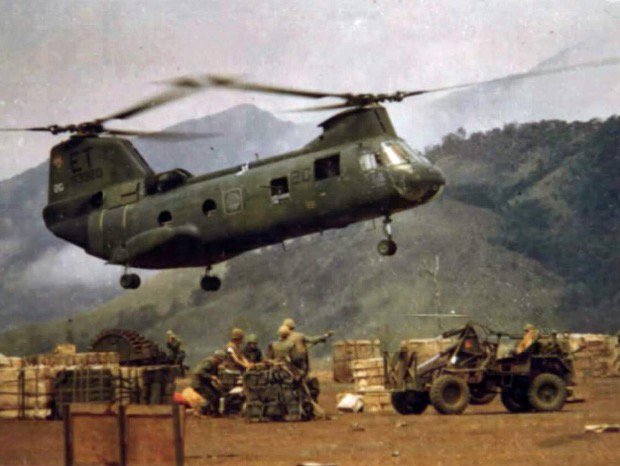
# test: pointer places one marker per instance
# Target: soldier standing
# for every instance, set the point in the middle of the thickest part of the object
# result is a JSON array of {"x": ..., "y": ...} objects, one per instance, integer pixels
[
  {"x": 251, "y": 351},
  {"x": 206, "y": 382},
  {"x": 282, "y": 350},
  {"x": 234, "y": 354},
  {"x": 175, "y": 346},
  {"x": 301, "y": 343}
]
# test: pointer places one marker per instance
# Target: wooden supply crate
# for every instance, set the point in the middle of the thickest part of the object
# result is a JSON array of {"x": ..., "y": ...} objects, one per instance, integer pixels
[
  {"x": 377, "y": 401},
  {"x": 344, "y": 352},
  {"x": 368, "y": 374}
]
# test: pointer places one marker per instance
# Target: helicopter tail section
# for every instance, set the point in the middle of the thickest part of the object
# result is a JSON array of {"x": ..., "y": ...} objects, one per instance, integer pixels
[{"x": 83, "y": 172}]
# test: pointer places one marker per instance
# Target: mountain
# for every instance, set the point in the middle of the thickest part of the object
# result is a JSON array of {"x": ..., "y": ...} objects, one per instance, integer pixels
[
  {"x": 42, "y": 277},
  {"x": 526, "y": 231},
  {"x": 574, "y": 95}
]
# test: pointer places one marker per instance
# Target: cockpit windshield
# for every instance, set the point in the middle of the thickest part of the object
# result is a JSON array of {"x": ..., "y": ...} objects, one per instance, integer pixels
[{"x": 399, "y": 152}]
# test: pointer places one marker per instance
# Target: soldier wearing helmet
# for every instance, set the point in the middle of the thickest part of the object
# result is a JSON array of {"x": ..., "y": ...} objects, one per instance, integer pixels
[
  {"x": 301, "y": 343},
  {"x": 206, "y": 382},
  {"x": 530, "y": 336},
  {"x": 251, "y": 351},
  {"x": 281, "y": 350},
  {"x": 175, "y": 347},
  {"x": 234, "y": 354}
]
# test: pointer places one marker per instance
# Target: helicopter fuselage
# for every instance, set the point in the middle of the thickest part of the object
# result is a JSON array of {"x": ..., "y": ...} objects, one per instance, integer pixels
[{"x": 174, "y": 219}]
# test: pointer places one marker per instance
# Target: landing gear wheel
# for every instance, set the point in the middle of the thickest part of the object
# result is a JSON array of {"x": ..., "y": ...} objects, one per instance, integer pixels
[
  {"x": 209, "y": 283},
  {"x": 449, "y": 394},
  {"x": 409, "y": 402},
  {"x": 547, "y": 393},
  {"x": 515, "y": 401},
  {"x": 387, "y": 247},
  {"x": 130, "y": 281}
]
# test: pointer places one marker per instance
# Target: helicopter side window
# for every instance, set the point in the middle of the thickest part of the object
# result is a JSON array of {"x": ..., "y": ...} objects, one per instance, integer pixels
[
  {"x": 327, "y": 167},
  {"x": 370, "y": 161},
  {"x": 209, "y": 207},
  {"x": 279, "y": 189}
]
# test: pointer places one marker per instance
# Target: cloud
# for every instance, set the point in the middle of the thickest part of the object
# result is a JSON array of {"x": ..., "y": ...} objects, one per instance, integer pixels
[{"x": 70, "y": 266}]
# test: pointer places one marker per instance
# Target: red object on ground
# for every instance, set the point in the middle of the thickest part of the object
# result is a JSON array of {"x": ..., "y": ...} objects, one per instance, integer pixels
[{"x": 179, "y": 399}]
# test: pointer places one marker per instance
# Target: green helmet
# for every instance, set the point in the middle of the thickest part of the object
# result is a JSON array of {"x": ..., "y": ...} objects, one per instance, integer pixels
[
  {"x": 219, "y": 354},
  {"x": 290, "y": 323},
  {"x": 251, "y": 338},
  {"x": 528, "y": 327}
]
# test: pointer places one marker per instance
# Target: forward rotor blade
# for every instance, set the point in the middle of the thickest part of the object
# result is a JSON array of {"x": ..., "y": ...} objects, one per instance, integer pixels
[
  {"x": 321, "y": 108},
  {"x": 164, "y": 135},
  {"x": 229, "y": 82},
  {"x": 148, "y": 104},
  {"x": 519, "y": 76}
]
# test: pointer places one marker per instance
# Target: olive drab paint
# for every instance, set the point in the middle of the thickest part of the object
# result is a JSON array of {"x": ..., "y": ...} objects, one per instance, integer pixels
[{"x": 105, "y": 198}]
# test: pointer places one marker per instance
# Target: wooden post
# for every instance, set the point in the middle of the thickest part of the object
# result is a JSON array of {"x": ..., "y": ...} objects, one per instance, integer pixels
[
  {"x": 122, "y": 438},
  {"x": 178, "y": 435},
  {"x": 68, "y": 434}
]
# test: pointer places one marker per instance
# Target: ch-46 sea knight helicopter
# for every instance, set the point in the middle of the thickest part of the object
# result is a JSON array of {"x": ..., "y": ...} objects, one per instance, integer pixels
[{"x": 104, "y": 197}]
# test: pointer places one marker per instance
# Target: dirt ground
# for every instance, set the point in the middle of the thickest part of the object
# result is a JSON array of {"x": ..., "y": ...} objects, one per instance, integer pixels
[{"x": 482, "y": 435}]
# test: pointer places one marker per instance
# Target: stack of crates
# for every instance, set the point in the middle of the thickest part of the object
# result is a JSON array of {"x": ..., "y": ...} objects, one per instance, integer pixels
[{"x": 273, "y": 394}]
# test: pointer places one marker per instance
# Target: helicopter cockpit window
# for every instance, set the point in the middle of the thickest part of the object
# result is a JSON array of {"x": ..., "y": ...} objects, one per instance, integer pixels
[
  {"x": 279, "y": 189},
  {"x": 209, "y": 207},
  {"x": 370, "y": 161},
  {"x": 327, "y": 167},
  {"x": 396, "y": 153}
]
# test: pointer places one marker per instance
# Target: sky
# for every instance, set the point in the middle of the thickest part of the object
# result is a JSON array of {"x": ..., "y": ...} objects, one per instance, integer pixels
[{"x": 69, "y": 61}]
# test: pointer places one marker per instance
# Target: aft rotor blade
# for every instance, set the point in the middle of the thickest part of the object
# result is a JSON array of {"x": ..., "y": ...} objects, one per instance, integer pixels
[
  {"x": 321, "y": 108},
  {"x": 518, "y": 76},
  {"x": 163, "y": 135},
  {"x": 230, "y": 82},
  {"x": 147, "y": 104},
  {"x": 40, "y": 129}
]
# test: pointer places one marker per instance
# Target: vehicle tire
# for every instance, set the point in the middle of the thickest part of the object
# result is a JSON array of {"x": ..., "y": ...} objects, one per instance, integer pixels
[
  {"x": 449, "y": 394},
  {"x": 478, "y": 396},
  {"x": 387, "y": 247},
  {"x": 410, "y": 402},
  {"x": 547, "y": 392},
  {"x": 515, "y": 401}
]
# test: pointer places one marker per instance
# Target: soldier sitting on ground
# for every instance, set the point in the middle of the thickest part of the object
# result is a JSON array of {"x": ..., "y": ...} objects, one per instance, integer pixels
[
  {"x": 530, "y": 336},
  {"x": 251, "y": 351},
  {"x": 234, "y": 355},
  {"x": 301, "y": 344},
  {"x": 206, "y": 382}
]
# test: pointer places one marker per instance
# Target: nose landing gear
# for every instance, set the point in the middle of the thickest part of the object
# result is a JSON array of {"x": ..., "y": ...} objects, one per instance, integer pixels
[
  {"x": 209, "y": 282},
  {"x": 130, "y": 281},
  {"x": 387, "y": 247}
]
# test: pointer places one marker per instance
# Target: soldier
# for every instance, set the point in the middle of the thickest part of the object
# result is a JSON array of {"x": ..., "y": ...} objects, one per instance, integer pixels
[
  {"x": 206, "y": 382},
  {"x": 234, "y": 354},
  {"x": 530, "y": 336},
  {"x": 175, "y": 346},
  {"x": 251, "y": 351},
  {"x": 301, "y": 343},
  {"x": 282, "y": 350}
]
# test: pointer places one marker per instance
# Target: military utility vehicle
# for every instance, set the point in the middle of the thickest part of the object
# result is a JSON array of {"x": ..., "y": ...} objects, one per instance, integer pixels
[{"x": 470, "y": 372}]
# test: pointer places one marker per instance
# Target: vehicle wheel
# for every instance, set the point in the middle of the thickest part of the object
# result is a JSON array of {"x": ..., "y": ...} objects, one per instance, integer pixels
[
  {"x": 409, "y": 402},
  {"x": 547, "y": 393},
  {"x": 515, "y": 401},
  {"x": 479, "y": 396},
  {"x": 387, "y": 247},
  {"x": 209, "y": 283},
  {"x": 449, "y": 394}
]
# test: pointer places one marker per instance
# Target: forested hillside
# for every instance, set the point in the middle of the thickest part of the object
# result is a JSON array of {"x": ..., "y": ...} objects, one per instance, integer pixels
[{"x": 526, "y": 231}]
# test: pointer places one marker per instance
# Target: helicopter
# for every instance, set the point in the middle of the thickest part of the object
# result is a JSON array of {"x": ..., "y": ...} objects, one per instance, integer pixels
[{"x": 105, "y": 198}]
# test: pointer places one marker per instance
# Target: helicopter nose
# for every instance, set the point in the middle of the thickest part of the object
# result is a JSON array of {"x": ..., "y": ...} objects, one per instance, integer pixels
[{"x": 420, "y": 183}]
